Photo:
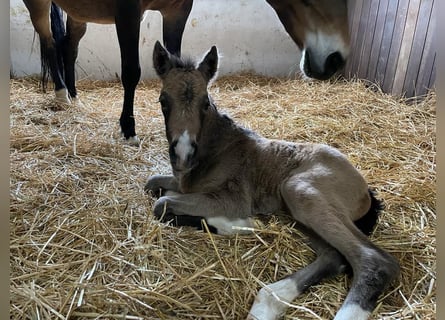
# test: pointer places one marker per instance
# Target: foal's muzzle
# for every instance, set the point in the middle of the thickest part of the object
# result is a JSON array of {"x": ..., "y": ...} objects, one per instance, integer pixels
[{"x": 183, "y": 153}]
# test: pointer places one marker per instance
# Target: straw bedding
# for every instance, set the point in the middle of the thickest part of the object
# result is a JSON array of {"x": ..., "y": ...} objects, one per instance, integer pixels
[{"x": 84, "y": 245}]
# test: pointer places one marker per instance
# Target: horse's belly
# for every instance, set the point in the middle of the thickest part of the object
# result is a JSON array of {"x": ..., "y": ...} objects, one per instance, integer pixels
[{"x": 103, "y": 11}]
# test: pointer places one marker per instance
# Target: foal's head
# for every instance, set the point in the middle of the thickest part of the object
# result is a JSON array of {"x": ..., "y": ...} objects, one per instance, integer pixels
[
  {"x": 320, "y": 29},
  {"x": 185, "y": 102}
]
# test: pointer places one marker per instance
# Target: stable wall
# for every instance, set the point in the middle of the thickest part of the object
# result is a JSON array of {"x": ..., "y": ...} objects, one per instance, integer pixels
[{"x": 248, "y": 34}]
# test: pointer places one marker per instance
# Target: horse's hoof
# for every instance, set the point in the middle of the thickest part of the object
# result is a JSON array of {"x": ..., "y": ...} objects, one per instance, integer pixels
[
  {"x": 77, "y": 102},
  {"x": 133, "y": 141},
  {"x": 62, "y": 96}
]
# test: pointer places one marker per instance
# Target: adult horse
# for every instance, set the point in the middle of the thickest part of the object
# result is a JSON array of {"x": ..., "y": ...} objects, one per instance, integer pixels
[
  {"x": 225, "y": 174},
  {"x": 320, "y": 30},
  {"x": 318, "y": 27},
  {"x": 59, "y": 49}
]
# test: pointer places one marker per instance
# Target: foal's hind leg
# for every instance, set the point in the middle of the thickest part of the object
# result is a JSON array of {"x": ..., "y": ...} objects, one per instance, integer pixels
[
  {"x": 372, "y": 267},
  {"x": 74, "y": 32},
  {"x": 271, "y": 300}
]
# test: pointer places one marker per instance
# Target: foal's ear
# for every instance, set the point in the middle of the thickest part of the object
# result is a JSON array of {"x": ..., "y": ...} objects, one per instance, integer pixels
[
  {"x": 161, "y": 60},
  {"x": 209, "y": 65}
]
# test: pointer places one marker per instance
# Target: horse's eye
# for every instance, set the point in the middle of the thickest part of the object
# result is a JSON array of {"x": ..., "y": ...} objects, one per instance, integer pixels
[{"x": 307, "y": 3}]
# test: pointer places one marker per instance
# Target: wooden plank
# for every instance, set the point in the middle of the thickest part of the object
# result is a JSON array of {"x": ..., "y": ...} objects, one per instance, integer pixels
[
  {"x": 385, "y": 47},
  {"x": 396, "y": 43},
  {"x": 428, "y": 64},
  {"x": 405, "y": 48},
  {"x": 415, "y": 59},
  {"x": 361, "y": 32},
  {"x": 377, "y": 41},
  {"x": 432, "y": 81},
  {"x": 368, "y": 39},
  {"x": 353, "y": 27}
]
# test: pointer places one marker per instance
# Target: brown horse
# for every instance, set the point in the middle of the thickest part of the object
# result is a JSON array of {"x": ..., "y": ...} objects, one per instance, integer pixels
[
  {"x": 59, "y": 49},
  {"x": 318, "y": 27},
  {"x": 226, "y": 174}
]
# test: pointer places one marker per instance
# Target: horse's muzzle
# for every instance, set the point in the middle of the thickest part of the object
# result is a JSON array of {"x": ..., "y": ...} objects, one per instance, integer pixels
[{"x": 322, "y": 69}]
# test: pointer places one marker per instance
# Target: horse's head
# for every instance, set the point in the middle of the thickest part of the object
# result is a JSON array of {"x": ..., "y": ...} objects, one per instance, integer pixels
[
  {"x": 320, "y": 30},
  {"x": 185, "y": 102}
]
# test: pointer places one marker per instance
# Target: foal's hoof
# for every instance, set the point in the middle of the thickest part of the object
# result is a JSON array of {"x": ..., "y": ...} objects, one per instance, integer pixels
[
  {"x": 155, "y": 192},
  {"x": 154, "y": 187}
]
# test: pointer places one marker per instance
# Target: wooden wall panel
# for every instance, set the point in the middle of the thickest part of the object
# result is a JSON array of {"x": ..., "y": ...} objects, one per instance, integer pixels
[{"x": 393, "y": 44}]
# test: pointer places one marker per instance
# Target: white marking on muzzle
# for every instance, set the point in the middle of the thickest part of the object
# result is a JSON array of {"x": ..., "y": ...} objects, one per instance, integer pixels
[
  {"x": 184, "y": 148},
  {"x": 321, "y": 46}
]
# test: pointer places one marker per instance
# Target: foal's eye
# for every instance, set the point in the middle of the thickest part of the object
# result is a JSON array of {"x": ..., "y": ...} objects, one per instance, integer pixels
[
  {"x": 164, "y": 103},
  {"x": 206, "y": 104}
]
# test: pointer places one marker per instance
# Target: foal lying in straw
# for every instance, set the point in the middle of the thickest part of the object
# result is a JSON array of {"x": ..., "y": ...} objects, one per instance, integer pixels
[{"x": 224, "y": 174}]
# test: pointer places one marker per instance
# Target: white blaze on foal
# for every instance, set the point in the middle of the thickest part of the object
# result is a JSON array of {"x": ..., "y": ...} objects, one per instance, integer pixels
[{"x": 184, "y": 147}]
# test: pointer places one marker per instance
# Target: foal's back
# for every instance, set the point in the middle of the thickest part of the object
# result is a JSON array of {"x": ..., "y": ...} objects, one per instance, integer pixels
[{"x": 273, "y": 162}]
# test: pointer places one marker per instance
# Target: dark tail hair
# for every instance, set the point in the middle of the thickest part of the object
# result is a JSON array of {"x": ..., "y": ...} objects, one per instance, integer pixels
[
  {"x": 367, "y": 223},
  {"x": 58, "y": 31}
]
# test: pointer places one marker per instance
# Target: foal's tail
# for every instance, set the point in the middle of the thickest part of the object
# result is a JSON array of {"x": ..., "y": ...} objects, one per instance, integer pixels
[
  {"x": 367, "y": 223},
  {"x": 58, "y": 32}
]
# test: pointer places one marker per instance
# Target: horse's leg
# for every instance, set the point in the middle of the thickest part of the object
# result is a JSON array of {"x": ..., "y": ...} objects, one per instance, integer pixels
[
  {"x": 174, "y": 20},
  {"x": 271, "y": 300},
  {"x": 127, "y": 26},
  {"x": 74, "y": 32},
  {"x": 227, "y": 213},
  {"x": 372, "y": 267},
  {"x": 39, "y": 12}
]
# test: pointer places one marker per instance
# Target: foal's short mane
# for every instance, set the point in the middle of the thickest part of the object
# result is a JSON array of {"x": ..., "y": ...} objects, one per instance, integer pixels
[{"x": 186, "y": 63}]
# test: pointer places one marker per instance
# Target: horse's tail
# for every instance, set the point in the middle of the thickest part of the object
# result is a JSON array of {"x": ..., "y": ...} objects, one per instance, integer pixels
[
  {"x": 367, "y": 223},
  {"x": 58, "y": 32}
]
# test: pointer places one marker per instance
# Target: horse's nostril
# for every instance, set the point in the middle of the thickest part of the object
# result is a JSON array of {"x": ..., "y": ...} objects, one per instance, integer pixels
[
  {"x": 334, "y": 62},
  {"x": 322, "y": 69}
]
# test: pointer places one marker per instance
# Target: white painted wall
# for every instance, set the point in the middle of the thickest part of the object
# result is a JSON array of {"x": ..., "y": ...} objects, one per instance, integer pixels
[{"x": 248, "y": 34}]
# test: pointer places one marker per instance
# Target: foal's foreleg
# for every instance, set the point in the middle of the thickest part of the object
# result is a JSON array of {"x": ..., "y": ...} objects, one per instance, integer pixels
[
  {"x": 160, "y": 184},
  {"x": 227, "y": 214}
]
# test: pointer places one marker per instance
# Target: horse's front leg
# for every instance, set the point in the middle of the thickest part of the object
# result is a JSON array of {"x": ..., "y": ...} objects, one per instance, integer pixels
[
  {"x": 224, "y": 214},
  {"x": 127, "y": 27},
  {"x": 174, "y": 19}
]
